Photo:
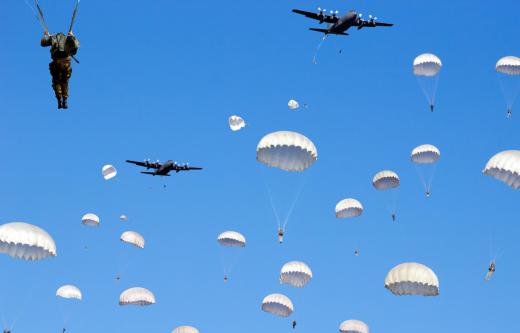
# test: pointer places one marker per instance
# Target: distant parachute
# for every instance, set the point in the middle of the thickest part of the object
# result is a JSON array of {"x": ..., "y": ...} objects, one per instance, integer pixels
[
  {"x": 236, "y": 123},
  {"x": 69, "y": 291},
  {"x": 296, "y": 273},
  {"x": 412, "y": 279},
  {"x": 386, "y": 180},
  {"x": 286, "y": 151},
  {"x": 26, "y": 241},
  {"x": 109, "y": 172},
  {"x": 278, "y": 304},
  {"x": 123, "y": 217},
  {"x": 185, "y": 329},
  {"x": 508, "y": 69},
  {"x": 293, "y": 105},
  {"x": 136, "y": 296},
  {"x": 90, "y": 219},
  {"x": 505, "y": 166},
  {"x": 348, "y": 208},
  {"x": 231, "y": 239},
  {"x": 425, "y": 157},
  {"x": 133, "y": 238},
  {"x": 353, "y": 326},
  {"x": 426, "y": 68},
  {"x": 289, "y": 151}
]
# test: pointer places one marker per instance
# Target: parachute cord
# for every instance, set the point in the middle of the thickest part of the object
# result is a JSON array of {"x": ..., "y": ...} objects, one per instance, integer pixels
[
  {"x": 291, "y": 209},
  {"x": 314, "y": 59},
  {"x": 425, "y": 186},
  {"x": 35, "y": 15},
  {"x": 269, "y": 193},
  {"x": 435, "y": 85}
]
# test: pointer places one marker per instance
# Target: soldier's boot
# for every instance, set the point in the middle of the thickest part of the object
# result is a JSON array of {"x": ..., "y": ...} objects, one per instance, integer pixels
[
  {"x": 64, "y": 103},
  {"x": 60, "y": 103},
  {"x": 65, "y": 93}
]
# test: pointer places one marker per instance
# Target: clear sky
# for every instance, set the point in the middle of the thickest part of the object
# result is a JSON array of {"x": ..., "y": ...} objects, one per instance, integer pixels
[{"x": 158, "y": 79}]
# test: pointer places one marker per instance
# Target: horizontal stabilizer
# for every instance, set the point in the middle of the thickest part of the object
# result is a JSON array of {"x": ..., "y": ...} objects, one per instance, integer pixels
[{"x": 327, "y": 32}]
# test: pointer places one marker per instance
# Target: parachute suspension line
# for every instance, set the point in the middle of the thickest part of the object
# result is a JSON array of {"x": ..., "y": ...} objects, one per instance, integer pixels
[
  {"x": 434, "y": 92},
  {"x": 315, "y": 57},
  {"x": 509, "y": 96},
  {"x": 293, "y": 204},
  {"x": 269, "y": 193},
  {"x": 36, "y": 16}
]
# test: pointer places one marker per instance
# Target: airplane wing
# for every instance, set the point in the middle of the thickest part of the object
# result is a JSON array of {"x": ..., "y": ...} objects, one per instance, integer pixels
[
  {"x": 370, "y": 24},
  {"x": 145, "y": 164},
  {"x": 315, "y": 16},
  {"x": 179, "y": 168}
]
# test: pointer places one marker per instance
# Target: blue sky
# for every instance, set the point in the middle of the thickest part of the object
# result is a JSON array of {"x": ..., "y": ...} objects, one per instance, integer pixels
[{"x": 159, "y": 79}]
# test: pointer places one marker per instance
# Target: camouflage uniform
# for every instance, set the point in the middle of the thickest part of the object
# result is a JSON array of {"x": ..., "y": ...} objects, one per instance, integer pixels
[{"x": 62, "y": 48}]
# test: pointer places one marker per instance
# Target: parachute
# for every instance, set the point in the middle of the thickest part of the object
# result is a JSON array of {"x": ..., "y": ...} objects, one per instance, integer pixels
[
  {"x": 123, "y": 217},
  {"x": 185, "y": 329},
  {"x": 292, "y": 153},
  {"x": 136, "y": 296},
  {"x": 508, "y": 69},
  {"x": 91, "y": 220},
  {"x": 288, "y": 151},
  {"x": 426, "y": 68},
  {"x": 231, "y": 239},
  {"x": 505, "y": 166},
  {"x": 348, "y": 208},
  {"x": 236, "y": 123},
  {"x": 412, "y": 279},
  {"x": 425, "y": 158},
  {"x": 293, "y": 105},
  {"x": 109, "y": 172},
  {"x": 278, "y": 305},
  {"x": 386, "y": 180},
  {"x": 133, "y": 238},
  {"x": 26, "y": 241},
  {"x": 353, "y": 326},
  {"x": 69, "y": 291},
  {"x": 296, "y": 273}
]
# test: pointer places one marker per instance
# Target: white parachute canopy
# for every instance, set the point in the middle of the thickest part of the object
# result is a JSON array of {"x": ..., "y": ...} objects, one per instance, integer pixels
[
  {"x": 136, "y": 296},
  {"x": 353, "y": 326},
  {"x": 236, "y": 123},
  {"x": 385, "y": 180},
  {"x": 69, "y": 291},
  {"x": 134, "y": 238},
  {"x": 293, "y": 105},
  {"x": 90, "y": 219},
  {"x": 296, "y": 273},
  {"x": 508, "y": 69},
  {"x": 109, "y": 171},
  {"x": 425, "y": 154},
  {"x": 231, "y": 239},
  {"x": 26, "y": 241},
  {"x": 425, "y": 157},
  {"x": 289, "y": 151},
  {"x": 123, "y": 217},
  {"x": 509, "y": 65},
  {"x": 348, "y": 208},
  {"x": 278, "y": 304},
  {"x": 185, "y": 329},
  {"x": 426, "y": 68},
  {"x": 412, "y": 278},
  {"x": 505, "y": 166}
]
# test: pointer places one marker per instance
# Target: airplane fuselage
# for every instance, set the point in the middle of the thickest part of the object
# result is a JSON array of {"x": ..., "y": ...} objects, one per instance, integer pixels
[
  {"x": 165, "y": 168},
  {"x": 343, "y": 23}
]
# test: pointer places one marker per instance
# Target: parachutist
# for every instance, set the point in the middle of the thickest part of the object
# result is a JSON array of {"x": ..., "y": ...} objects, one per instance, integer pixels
[
  {"x": 356, "y": 252},
  {"x": 431, "y": 107},
  {"x": 509, "y": 112},
  {"x": 63, "y": 331},
  {"x": 118, "y": 278},
  {"x": 225, "y": 279},
  {"x": 294, "y": 324},
  {"x": 393, "y": 217},
  {"x": 491, "y": 270},
  {"x": 340, "y": 51},
  {"x": 280, "y": 235},
  {"x": 7, "y": 331},
  {"x": 427, "y": 194},
  {"x": 63, "y": 47}
]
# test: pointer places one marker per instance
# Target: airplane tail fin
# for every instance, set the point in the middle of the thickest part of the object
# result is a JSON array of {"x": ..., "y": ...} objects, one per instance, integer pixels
[{"x": 326, "y": 32}]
